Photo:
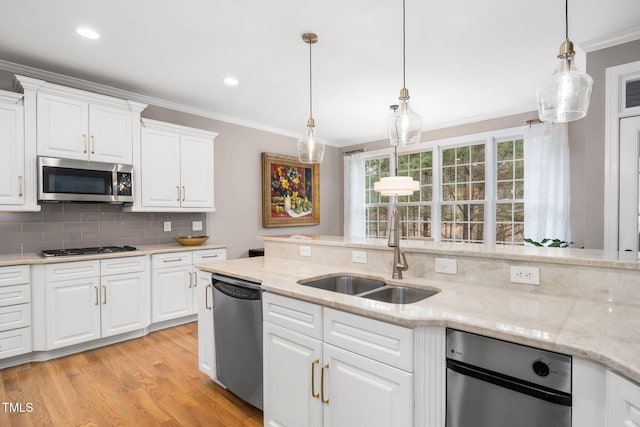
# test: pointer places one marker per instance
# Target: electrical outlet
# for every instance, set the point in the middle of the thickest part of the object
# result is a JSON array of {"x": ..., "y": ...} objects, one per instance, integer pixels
[
  {"x": 446, "y": 266},
  {"x": 196, "y": 225},
  {"x": 305, "y": 250},
  {"x": 525, "y": 275},
  {"x": 359, "y": 257},
  {"x": 167, "y": 226}
]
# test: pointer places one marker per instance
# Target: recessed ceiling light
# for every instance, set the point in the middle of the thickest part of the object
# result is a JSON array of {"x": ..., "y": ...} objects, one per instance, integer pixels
[
  {"x": 231, "y": 81},
  {"x": 88, "y": 33}
]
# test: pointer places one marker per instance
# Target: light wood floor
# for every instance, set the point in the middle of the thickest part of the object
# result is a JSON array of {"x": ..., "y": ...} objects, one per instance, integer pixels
[{"x": 153, "y": 380}]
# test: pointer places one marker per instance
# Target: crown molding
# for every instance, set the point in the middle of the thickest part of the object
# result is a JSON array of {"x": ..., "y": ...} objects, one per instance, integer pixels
[
  {"x": 61, "y": 79},
  {"x": 610, "y": 40}
]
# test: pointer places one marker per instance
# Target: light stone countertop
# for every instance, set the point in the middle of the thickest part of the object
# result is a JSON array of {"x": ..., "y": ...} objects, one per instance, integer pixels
[
  {"x": 606, "y": 333},
  {"x": 33, "y": 258}
]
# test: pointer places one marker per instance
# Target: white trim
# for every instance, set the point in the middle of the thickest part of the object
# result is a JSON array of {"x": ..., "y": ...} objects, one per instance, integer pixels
[
  {"x": 614, "y": 110},
  {"x": 183, "y": 130},
  {"x": 611, "y": 40},
  {"x": 82, "y": 84}
]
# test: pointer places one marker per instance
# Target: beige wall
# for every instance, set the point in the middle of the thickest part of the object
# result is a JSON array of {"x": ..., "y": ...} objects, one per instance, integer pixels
[
  {"x": 587, "y": 150},
  {"x": 238, "y": 182}
]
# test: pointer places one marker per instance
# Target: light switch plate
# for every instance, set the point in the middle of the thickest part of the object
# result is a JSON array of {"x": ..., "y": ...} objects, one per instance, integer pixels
[
  {"x": 167, "y": 226},
  {"x": 359, "y": 257},
  {"x": 446, "y": 266},
  {"x": 196, "y": 225},
  {"x": 305, "y": 250}
]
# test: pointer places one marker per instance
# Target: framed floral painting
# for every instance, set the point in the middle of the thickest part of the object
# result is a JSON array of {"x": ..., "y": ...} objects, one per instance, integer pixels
[{"x": 290, "y": 192}]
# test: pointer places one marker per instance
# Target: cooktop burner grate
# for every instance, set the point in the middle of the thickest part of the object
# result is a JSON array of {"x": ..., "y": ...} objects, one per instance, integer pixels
[{"x": 85, "y": 251}]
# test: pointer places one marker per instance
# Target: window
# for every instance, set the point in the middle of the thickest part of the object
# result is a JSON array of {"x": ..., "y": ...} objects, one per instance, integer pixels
[
  {"x": 470, "y": 191},
  {"x": 463, "y": 194},
  {"x": 510, "y": 191}
]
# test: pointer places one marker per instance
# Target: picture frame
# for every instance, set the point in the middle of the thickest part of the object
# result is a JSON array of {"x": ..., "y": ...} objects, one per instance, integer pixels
[{"x": 290, "y": 192}]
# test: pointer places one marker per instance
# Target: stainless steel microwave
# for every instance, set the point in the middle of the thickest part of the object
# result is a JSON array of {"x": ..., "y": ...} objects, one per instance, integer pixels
[{"x": 66, "y": 180}]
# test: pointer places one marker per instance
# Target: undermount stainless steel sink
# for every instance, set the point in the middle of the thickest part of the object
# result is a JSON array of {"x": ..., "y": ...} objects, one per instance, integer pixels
[
  {"x": 350, "y": 285},
  {"x": 399, "y": 294}
]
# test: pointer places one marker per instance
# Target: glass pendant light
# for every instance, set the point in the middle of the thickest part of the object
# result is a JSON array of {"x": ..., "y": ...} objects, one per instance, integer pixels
[
  {"x": 404, "y": 125},
  {"x": 565, "y": 96},
  {"x": 310, "y": 147}
]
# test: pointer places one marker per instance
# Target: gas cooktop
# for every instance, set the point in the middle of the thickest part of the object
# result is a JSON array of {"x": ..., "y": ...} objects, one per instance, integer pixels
[{"x": 85, "y": 251}]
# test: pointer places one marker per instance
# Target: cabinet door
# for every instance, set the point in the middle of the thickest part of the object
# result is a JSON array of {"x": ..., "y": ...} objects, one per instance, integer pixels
[
  {"x": 623, "y": 402},
  {"x": 364, "y": 392},
  {"x": 124, "y": 303},
  {"x": 291, "y": 366},
  {"x": 72, "y": 312},
  {"x": 110, "y": 137},
  {"x": 196, "y": 166},
  {"x": 12, "y": 158},
  {"x": 206, "y": 343},
  {"x": 63, "y": 127},
  {"x": 171, "y": 293},
  {"x": 160, "y": 169}
]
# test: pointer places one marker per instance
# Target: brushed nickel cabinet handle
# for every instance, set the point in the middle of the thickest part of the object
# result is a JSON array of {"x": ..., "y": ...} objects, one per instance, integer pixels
[
  {"x": 210, "y": 256},
  {"x": 178, "y": 188},
  {"x": 184, "y": 194},
  {"x": 190, "y": 280},
  {"x": 314, "y": 394},
  {"x": 172, "y": 260},
  {"x": 104, "y": 294},
  {"x": 206, "y": 297},
  {"x": 97, "y": 296},
  {"x": 84, "y": 138},
  {"x": 21, "y": 186},
  {"x": 324, "y": 399},
  {"x": 195, "y": 279},
  {"x": 93, "y": 145}
]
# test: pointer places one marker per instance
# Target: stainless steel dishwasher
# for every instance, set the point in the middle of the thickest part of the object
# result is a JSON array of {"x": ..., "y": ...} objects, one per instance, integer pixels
[
  {"x": 494, "y": 383},
  {"x": 237, "y": 322}
]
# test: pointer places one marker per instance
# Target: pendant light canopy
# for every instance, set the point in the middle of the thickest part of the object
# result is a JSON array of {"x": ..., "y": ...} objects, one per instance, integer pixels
[
  {"x": 404, "y": 125},
  {"x": 310, "y": 147},
  {"x": 565, "y": 96}
]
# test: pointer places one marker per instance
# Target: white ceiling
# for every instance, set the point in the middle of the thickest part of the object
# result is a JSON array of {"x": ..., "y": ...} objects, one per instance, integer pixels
[{"x": 466, "y": 60}]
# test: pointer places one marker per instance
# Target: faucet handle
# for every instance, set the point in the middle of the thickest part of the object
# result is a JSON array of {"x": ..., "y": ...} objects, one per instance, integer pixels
[{"x": 403, "y": 266}]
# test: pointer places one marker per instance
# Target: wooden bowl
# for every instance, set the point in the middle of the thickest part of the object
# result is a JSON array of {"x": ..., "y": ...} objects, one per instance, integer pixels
[{"x": 191, "y": 240}]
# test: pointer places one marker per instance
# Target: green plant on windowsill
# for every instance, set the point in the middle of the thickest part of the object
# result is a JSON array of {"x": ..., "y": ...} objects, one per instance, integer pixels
[{"x": 549, "y": 243}]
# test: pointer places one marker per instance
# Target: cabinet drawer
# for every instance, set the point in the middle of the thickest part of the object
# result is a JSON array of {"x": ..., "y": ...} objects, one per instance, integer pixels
[
  {"x": 15, "y": 342},
  {"x": 15, "y": 316},
  {"x": 293, "y": 314},
  {"x": 72, "y": 270},
  {"x": 12, "y": 295},
  {"x": 381, "y": 341},
  {"x": 122, "y": 265},
  {"x": 14, "y": 275},
  {"x": 173, "y": 259},
  {"x": 210, "y": 255}
]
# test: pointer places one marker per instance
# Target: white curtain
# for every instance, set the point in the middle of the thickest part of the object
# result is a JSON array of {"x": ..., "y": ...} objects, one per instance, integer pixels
[
  {"x": 354, "y": 197},
  {"x": 546, "y": 182}
]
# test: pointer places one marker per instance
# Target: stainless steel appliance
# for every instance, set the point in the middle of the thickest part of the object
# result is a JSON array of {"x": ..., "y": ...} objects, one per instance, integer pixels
[
  {"x": 494, "y": 383},
  {"x": 237, "y": 323},
  {"x": 47, "y": 253},
  {"x": 66, "y": 180}
]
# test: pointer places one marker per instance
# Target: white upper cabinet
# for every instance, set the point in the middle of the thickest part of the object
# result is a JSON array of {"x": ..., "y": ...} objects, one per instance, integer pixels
[
  {"x": 75, "y": 124},
  {"x": 12, "y": 166},
  {"x": 176, "y": 168}
]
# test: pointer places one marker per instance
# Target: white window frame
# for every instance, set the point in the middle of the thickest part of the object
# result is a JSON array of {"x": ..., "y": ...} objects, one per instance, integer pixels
[{"x": 489, "y": 138}]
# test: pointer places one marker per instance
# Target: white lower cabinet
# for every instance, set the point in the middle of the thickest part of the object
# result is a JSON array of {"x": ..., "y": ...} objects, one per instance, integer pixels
[
  {"x": 623, "y": 402},
  {"x": 82, "y": 305},
  {"x": 206, "y": 344},
  {"x": 15, "y": 311},
  {"x": 311, "y": 381},
  {"x": 175, "y": 284}
]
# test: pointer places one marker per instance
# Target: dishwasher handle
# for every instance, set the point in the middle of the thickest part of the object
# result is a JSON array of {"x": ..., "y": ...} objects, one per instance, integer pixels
[{"x": 238, "y": 291}]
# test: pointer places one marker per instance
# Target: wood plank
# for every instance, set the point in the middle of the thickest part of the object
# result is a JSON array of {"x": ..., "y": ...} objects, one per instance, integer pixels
[{"x": 153, "y": 380}]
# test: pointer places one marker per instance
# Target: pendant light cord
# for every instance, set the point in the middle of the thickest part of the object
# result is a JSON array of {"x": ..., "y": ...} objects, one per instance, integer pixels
[
  {"x": 310, "y": 85},
  {"x": 566, "y": 19},
  {"x": 404, "y": 83}
]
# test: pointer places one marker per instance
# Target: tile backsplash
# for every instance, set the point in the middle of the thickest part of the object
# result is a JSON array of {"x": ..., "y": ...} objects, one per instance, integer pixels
[{"x": 69, "y": 225}]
